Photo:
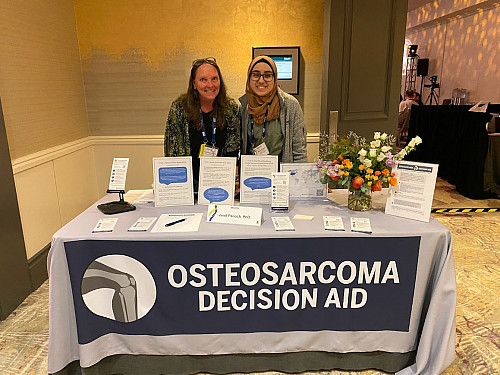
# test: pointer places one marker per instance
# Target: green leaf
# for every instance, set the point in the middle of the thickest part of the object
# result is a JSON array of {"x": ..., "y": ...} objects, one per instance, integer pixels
[{"x": 366, "y": 189}]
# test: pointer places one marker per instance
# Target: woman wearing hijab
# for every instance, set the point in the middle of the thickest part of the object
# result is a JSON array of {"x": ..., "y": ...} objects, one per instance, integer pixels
[
  {"x": 204, "y": 121},
  {"x": 272, "y": 122}
]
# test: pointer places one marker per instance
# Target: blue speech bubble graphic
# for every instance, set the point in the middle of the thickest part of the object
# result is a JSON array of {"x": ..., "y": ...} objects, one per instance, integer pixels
[
  {"x": 258, "y": 183},
  {"x": 173, "y": 175},
  {"x": 215, "y": 195}
]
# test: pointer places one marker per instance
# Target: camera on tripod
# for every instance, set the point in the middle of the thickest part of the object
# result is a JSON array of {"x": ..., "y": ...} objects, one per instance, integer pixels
[{"x": 434, "y": 84}]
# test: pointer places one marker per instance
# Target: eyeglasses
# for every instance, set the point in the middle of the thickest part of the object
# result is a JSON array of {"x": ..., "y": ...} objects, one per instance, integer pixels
[
  {"x": 255, "y": 76},
  {"x": 206, "y": 60}
]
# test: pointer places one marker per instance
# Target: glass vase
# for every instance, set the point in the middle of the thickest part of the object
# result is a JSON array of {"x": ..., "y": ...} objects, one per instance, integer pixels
[{"x": 359, "y": 200}]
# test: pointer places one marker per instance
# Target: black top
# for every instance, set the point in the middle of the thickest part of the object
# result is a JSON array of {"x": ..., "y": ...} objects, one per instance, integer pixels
[{"x": 196, "y": 140}]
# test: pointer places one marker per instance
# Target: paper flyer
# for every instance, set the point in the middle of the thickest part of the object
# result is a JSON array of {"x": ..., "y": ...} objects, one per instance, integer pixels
[
  {"x": 189, "y": 222},
  {"x": 304, "y": 181},
  {"x": 105, "y": 225},
  {"x": 412, "y": 197},
  {"x": 280, "y": 195},
  {"x": 118, "y": 174},
  {"x": 173, "y": 181},
  {"x": 255, "y": 181},
  {"x": 217, "y": 180}
]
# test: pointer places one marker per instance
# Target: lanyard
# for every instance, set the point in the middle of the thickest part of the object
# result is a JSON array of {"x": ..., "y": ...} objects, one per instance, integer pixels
[
  {"x": 214, "y": 129},
  {"x": 263, "y": 127}
]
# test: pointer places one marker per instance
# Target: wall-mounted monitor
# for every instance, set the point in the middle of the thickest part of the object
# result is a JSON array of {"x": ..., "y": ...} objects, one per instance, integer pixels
[{"x": 287, "y": 60}]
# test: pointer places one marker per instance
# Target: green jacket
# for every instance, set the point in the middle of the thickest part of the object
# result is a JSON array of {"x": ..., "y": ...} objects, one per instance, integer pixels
[{"x": 176, "y": 142}]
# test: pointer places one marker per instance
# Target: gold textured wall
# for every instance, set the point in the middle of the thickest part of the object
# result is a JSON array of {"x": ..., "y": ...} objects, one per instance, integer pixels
[
  {"x": 136, "y": 55},
  {"x": 461, "y": 38},
  {"x": 41, "y": 82}
]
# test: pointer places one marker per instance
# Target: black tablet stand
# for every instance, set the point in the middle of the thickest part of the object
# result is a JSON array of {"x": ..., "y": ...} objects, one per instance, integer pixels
[{"x": 116, "y": 207}]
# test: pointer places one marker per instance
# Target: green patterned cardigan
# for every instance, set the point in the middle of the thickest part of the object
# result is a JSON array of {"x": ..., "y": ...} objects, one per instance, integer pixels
[{"x": 176, "y": 142}]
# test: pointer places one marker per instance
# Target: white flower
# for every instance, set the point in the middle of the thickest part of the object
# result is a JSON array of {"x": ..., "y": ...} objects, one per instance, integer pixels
[
  {"x": 380, "y": 157},
  {"x": 361, "y": 159},
  {"x": 401, "y": 154},
  {"x": 383, "y": 136},
  {"x": 412, "y": 143},
  {"x": 385, "y": 148},
  {"x": 375, "y": 144},
  {"x": 377, "y": 135},
  {"x": 373, "y": 152},
  {"x": 418, "y": 140},
  {"x": 362, "y": 152},
  {"x": 367, "y": 163}
]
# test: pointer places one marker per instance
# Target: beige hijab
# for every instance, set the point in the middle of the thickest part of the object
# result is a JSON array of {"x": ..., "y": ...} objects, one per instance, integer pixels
[{"x": 257, "y": 105}]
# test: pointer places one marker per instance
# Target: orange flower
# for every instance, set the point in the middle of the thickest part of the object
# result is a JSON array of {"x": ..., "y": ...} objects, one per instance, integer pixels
[
  {"x": 377, "y": 173},
  {"x": 340, "y": 157},
  {"x": 393, "y": 181},
  {"x": 335, "y": 161},
  {"x": 357, "y": 182},
  {"x": 393, "y": 174},
  {"x": 361, "y": 167},
  {"x": 385, "y": 172},
  {"x": 336, "y": 178},
  {"x": 377, "y": 186}
]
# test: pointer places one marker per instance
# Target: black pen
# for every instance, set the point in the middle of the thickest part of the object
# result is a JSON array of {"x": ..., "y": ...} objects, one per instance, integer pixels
[{"x": 175, "y": 222}]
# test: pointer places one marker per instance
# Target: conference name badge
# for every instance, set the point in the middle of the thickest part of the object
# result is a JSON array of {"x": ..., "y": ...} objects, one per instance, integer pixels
[
  {"x": 206, "y": 150},
  {"x": 261, "y": 150},
  {"x": 217, "y": 213}
]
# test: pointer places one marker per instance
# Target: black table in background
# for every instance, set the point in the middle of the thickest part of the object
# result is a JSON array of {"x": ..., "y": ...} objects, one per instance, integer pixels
[
  {"x": 492, "y": 164},
  {"x": 457, "y": 140}
]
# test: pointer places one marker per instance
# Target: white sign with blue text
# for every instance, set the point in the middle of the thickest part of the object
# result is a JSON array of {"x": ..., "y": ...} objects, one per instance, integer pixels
[{"x": 234, "y": 215}]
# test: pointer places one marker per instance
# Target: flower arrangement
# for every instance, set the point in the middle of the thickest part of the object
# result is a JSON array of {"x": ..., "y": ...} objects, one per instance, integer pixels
[{"x": 362, "y": 167}]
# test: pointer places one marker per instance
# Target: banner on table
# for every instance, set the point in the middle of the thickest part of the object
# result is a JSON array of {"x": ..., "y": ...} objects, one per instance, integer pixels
[{"x": 165, "y": 288}]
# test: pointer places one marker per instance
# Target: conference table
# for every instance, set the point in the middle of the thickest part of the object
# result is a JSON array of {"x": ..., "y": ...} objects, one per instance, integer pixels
[{"x": 238, "y": 298}]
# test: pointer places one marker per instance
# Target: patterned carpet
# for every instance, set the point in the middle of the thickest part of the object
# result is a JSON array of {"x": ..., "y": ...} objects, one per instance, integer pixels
[{"x": 23, "y": 335}]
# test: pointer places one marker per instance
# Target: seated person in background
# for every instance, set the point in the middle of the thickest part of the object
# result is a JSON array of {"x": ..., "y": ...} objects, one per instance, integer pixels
[
  {"x": 203, "y": 116},
  {"x": 408, "y": 102},
  {"x": 272, "y": 121},
  {"x": 416, "y": 97}
]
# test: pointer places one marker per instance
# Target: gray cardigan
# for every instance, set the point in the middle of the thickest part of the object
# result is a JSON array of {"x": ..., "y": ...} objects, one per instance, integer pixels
[{"x": 292, "y": 127}]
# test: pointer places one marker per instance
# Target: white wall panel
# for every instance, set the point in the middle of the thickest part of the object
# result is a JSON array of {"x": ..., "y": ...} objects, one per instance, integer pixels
[
  {"x": 76, "y": 182},
  {"x": 38, "y": 206}
]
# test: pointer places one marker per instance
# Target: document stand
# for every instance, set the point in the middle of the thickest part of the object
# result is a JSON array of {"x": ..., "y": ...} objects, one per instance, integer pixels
[{"x": 116, "y": 207}]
